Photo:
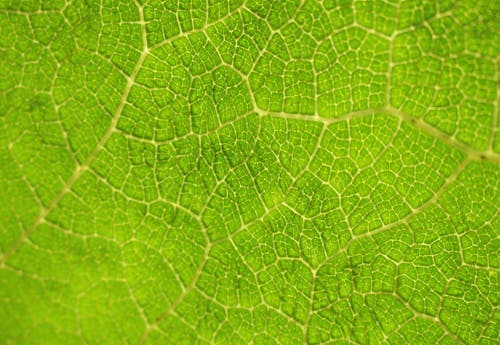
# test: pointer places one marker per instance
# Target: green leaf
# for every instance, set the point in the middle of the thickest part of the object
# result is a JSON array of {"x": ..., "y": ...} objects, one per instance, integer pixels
[{"x": 249, "y": 172}]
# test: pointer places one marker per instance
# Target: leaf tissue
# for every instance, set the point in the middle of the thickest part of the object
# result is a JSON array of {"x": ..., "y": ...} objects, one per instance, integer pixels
[{"x": 249, "y": 172}]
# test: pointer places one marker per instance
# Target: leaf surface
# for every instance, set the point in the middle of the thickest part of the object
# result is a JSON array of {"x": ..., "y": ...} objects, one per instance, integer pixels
[{"x": 249, "y": 172}]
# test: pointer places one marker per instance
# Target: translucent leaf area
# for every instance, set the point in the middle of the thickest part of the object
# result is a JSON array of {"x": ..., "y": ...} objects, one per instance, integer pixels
[{"x": 249, "y": 172}]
